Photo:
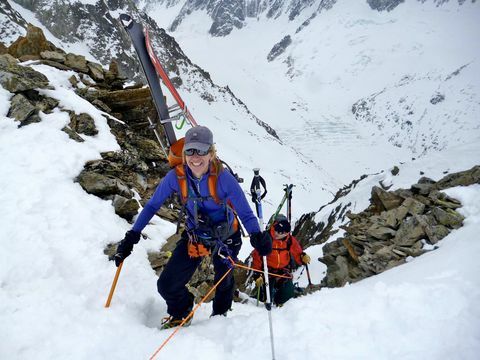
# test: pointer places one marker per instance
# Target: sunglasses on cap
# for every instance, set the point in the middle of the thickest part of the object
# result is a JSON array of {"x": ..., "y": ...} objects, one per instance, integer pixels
[{"x": 191, "y": 152}]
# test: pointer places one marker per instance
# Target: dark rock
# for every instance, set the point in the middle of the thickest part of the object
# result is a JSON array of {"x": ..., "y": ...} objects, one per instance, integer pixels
[
  {"x": 54, "y": 64},
  {"x": 426, "y": 180},
  {"x": 436, "y": 233},
  {"x": 413, "y": 206},
  {"x": 395, "y": 171},
  {"x": 76, "y": 62},
  {"x": 463, "y": 178},
  {"x": 55, "y": 56},
  {"x": 279, "y": 48},
  {"x": 16, "y": 78},
  {"x": 384, "y": 200},
  {"x": 20, "y": 108},
  {"x": 96, "y": 71},
  {"x": 437, "y": 98},
  {"x": 448, "y": 217},
  {"x": 83, "y": 124},
  {"x": 381, "y": 232},
  {"x": 72, "y": 134},
  {"x": 409, "y": 232},
  {"x": 384, "y": 5},
  {"x": 125, "y": 208},
  {"x": 422, "y": 189},
  {"x": 102, "y": 186}
]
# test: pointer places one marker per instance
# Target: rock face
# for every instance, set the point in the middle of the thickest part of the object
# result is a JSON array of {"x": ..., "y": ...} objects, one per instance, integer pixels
[
  {"x": 30, "y": 45},
  {"x": 397, "y": 224}
]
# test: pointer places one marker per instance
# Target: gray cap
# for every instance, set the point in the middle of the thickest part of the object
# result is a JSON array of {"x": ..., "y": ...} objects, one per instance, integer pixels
[
  {"x": 280, "y": 217},
  {"x": 198, "y": 137}
]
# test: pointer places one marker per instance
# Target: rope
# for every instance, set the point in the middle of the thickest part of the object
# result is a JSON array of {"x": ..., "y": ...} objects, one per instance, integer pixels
[
  {"x": 190, "y": 315},
  {"x": 260, "y": 271}
]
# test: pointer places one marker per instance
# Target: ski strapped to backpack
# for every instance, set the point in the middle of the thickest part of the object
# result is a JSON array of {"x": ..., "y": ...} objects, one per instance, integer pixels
[{"x": 135, "y": 31}]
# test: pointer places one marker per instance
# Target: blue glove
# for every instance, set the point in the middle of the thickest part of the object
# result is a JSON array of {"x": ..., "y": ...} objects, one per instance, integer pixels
[
  {"x": 262, "y": 241},
  {"x": 125, "y": 246}
]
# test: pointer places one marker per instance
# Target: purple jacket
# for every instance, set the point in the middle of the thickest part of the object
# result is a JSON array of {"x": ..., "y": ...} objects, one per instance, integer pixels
[{"x": 227, "y": 189}]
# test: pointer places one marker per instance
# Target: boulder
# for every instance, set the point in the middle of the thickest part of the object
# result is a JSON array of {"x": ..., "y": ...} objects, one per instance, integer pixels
[
  {"x": 448, "y": 217},
  {"x": 16, "y": 78},
  {"x": 72, "y": 134},
  {"x": 381, "y": 232},
  {"x": 102, "y": 186},
  {"x": 21, "y": 108},
  {"x": 125, "y": 208},
  {"x": 463, "y": 178},
  {"x": 83, "y": 124},
  {"x": 53, "y": 56},
  {"x": 96, "y": 71},
  {"x": 76, "y": 62},
  {"x": 384, "y": 200},
  {"x": 409, "y": 232},
  {"x": 33, "y": 43}
]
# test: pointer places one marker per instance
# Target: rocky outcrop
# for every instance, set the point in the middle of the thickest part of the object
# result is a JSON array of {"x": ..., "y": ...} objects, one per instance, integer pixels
[
  {"x": 309, "y": 232},
  {"x": 141, "y": 163},
  {"x": 397, "y": 225},
  {"x": 30, "y": 46},
  {"x": 384, "y": 5},
  {"x": 279, "y": 48}
]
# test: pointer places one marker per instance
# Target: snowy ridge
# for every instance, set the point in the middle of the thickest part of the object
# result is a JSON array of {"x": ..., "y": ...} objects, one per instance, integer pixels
[{"x": 442, "y": 112}]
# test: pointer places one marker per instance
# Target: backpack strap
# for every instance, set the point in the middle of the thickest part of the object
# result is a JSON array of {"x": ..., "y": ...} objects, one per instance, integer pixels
[
  {"x": 182, "y": 183},
  {"x": 215, "y": 169}
]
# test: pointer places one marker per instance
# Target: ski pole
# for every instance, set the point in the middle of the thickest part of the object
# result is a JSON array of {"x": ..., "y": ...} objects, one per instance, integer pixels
[
  {"x": 114, "y": 284},
  {"x": 308, "y": 276},
  {"x": 288, "y": 191},
  {"x": 256, "y": 192},
  {"x": 258, "y": 295},
  {"x": 258, "y": 203}
]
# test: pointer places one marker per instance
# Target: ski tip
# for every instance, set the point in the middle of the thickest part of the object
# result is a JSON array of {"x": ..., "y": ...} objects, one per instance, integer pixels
[{"x": 126, "y": 20}]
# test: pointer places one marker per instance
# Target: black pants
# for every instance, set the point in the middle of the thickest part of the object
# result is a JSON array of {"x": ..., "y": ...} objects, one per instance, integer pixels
[
  {"x": 281, "y": 290},
  {"x": 180, "y": 269}
]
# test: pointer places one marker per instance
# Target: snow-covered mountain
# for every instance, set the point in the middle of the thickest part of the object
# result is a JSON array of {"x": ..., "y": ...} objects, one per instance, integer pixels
[{"x": 393, "y": 79}]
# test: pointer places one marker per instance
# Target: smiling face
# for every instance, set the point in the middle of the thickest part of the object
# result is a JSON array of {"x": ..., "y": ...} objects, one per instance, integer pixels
[{"x": 198, "y": 164}]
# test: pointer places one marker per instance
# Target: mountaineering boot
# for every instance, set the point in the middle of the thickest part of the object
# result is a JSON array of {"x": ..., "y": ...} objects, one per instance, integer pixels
[
  {"x": 170, "y": 322},
  {"x": 215, "y": 314}
]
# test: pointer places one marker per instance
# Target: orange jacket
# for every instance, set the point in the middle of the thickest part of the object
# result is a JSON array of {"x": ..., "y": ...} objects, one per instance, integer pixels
[{"x": 282, "y": 252}]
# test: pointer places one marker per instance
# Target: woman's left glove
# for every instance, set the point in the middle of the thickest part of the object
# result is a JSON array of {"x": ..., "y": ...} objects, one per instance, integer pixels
[
  {"x": 305, "y": 258},
  {"x": 125, "y": 246},
  {"x": 262, "y": 241}
]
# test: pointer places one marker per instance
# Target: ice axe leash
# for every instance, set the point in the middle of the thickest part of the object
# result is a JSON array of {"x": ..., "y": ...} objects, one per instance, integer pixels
[{"x": 257, "y": 199}]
